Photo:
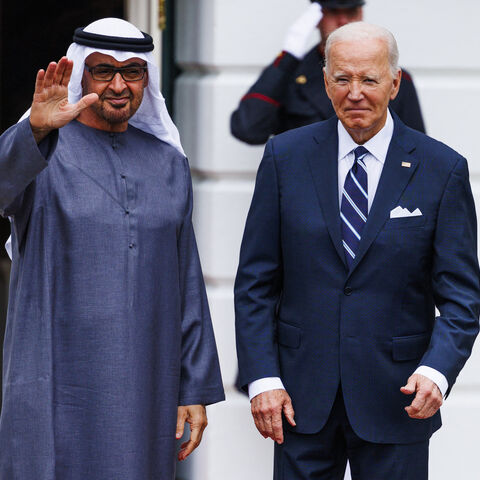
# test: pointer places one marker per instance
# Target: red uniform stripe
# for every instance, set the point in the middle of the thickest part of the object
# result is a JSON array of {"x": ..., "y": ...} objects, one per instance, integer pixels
[
  {"x": 279, "y": 58},
  {"x": 259, "y": 96}
]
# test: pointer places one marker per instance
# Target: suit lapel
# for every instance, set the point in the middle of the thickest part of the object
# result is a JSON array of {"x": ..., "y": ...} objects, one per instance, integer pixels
[
  {"x": 324, "y": 169},
  {"x": 393, "y": 180}
]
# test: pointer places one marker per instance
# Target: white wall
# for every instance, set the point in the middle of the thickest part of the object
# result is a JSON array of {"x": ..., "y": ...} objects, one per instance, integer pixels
[{"x": 221, "y": 46}]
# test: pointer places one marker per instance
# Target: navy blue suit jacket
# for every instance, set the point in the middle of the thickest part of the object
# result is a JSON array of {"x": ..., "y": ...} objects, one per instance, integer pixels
[{"x": 303, "y": 316}]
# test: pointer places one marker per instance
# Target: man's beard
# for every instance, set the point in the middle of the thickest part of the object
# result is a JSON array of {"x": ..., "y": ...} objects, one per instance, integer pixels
[{"x": 113, "y": 114}]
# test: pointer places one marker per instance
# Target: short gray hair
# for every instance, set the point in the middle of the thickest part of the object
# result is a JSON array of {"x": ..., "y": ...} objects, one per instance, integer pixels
[{"x": 361, "y": 31}]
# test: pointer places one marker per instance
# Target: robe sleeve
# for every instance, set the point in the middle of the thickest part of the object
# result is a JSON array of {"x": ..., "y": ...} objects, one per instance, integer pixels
[
  {"x": 200, "y": 381},
  {"x": 21, "y": 160}
]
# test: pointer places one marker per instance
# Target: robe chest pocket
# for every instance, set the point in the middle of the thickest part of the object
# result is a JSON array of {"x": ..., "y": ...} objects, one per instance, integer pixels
[
  {"x": 405, "y": 222},
  {"x": 288, "y": 335},
  {"x": 409, "y": 347}
]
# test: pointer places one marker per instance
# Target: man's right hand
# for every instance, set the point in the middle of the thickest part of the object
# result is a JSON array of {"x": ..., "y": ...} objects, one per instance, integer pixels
[
  {"x": 50, "y": 108},
  {"x": 267, "y": 408}
]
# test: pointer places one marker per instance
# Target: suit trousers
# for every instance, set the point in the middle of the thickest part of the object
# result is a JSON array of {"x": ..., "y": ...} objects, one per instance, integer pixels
[{"x": 324, "y": 455}]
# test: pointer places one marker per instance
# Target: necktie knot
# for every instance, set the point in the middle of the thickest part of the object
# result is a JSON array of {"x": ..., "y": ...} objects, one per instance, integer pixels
[{"x": 360, "y": 153}]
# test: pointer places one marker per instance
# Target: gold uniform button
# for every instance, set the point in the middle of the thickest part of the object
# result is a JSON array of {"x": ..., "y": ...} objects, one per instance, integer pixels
[{"x": 301, "y": 79}]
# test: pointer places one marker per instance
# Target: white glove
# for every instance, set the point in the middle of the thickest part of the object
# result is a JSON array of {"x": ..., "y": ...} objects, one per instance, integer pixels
[{"x": 298, "y": 36}]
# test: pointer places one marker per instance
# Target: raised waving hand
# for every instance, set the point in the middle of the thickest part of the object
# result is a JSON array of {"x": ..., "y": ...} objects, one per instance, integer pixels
[{"x": 50, "y": 108}]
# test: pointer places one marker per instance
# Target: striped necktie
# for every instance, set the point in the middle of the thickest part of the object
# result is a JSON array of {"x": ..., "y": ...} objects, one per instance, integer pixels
[{"x": 354, "y": 207}]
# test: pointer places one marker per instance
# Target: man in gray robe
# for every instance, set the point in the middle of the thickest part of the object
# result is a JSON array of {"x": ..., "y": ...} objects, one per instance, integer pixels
[{"x": 109, "y": 347}]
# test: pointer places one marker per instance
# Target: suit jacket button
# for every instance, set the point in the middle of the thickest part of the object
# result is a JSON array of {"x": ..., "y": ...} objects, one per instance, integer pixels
[{"x": 348, "y": 290}]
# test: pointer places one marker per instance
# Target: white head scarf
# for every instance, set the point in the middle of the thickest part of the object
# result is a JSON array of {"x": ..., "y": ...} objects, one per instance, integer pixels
[{"x": 152, "y": 116}]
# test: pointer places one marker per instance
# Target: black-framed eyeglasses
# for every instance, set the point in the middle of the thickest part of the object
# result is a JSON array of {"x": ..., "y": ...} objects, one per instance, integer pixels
[{"x": 105, "y": 73}]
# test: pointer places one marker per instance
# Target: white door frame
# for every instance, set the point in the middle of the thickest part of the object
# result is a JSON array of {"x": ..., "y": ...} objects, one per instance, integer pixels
[{"x": 144, "y": 14}]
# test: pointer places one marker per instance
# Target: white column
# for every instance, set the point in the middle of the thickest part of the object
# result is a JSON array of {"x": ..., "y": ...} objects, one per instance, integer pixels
[
  {"x": 144, "y": 15},
  {"x": 222, "y": 46}
]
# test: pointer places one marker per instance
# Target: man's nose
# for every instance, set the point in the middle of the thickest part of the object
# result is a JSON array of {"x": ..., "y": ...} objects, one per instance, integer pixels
[
  {"x": 355, "y": 91},
  {"x": 118, "y": 83}
]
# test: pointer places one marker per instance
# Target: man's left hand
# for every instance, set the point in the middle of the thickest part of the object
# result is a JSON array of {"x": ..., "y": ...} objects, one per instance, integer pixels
[
  {"x": 196, "y": 416},
  {"x": 428, "y": 398}
]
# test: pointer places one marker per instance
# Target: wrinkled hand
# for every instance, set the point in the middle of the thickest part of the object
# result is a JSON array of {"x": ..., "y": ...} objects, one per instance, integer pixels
[
  {"x": 50, "y": 108},
  {"x": 298, "y": 35},
  {"x": 428, "y": 398},
  {"x": 267, "y": 408},
  {"x": 196, "y": 416}
]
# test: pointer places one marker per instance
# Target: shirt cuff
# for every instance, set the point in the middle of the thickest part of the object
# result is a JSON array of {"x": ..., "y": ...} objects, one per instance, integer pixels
[
  {"x": 263, "y": 385},
  {"x": 435, "y": 376}
]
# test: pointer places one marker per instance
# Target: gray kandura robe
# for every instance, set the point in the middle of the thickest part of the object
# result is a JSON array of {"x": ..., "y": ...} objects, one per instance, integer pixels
[{"x": 108, "y": 327}]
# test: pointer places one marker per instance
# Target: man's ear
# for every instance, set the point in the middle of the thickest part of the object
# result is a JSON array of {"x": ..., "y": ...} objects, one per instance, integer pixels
[
  {"x": 325, "y": 79},
  {"x": 145, "y": 79},
  {"x": 396, "y": 84}
]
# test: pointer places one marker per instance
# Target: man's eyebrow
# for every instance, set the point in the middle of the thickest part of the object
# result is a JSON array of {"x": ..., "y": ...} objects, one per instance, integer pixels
[{"x": 136, "y": 64}]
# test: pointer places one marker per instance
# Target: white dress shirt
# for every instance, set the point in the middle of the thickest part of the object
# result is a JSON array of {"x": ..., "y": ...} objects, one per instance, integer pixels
[{"x": 377, "y": 148}]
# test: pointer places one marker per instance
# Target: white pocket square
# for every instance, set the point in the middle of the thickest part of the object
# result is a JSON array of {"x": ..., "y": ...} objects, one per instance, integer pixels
[{"x": 399, "y": 212}]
